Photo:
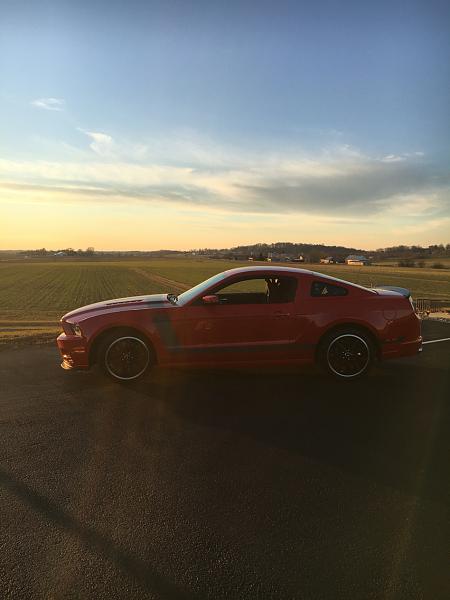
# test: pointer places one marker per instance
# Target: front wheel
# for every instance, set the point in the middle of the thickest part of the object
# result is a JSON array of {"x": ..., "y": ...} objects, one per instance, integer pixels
[
  {"x": 347, "y": 354},
  {"x": 125, "y": 357}
]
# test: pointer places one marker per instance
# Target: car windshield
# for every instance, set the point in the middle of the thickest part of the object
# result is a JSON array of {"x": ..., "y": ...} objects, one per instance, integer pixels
[{"x": 190, "y": 294}]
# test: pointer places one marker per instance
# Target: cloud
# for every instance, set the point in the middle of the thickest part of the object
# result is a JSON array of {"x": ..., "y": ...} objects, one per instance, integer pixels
[
  {"x": 340, "y": 183},
  {"x": 392, "y": 158},
  {"x": 401, "y": 157},
  {"x": 102, "y": 143},
  {"x": 105, "y": 146},
  {"x": 56, "y": 104},
  {"x": 365, "y": 186}
]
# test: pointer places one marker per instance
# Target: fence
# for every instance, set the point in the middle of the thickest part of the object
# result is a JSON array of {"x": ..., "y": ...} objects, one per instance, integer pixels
[{"x": 427, "y": 305}]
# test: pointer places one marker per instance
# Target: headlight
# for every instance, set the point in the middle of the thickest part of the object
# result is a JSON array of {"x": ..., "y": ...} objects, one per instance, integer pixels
[
  {"x": 71, "y": 328},
  {"x": 67, "y": 327}
]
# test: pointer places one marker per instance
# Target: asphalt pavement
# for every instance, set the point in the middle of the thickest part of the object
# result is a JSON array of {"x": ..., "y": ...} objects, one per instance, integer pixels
[{"x": 225, "y": 484}]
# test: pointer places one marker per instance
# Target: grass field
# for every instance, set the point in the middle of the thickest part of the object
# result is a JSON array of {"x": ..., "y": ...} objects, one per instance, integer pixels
[
  {"x": 34, "y": 295},
  {"x": 428, "y": 262}
]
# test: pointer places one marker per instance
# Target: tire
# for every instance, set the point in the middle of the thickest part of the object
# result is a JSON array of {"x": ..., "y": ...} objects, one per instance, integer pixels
[
  {"x": 347, "y": 354},
  {"x": 125, "y": 356}
]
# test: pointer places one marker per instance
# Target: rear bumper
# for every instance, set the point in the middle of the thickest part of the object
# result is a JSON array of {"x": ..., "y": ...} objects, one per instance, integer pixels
[
  {"x": 73, "y": 351},
  {"x": 401, "y": 348}
]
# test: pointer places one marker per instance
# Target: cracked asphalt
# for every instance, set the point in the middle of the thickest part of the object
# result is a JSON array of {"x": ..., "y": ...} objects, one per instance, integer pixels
[{"x": 225, "y": 484}]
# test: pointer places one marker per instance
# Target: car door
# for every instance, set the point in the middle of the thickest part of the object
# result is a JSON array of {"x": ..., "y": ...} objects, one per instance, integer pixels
[{"x": 246, "y": 324}]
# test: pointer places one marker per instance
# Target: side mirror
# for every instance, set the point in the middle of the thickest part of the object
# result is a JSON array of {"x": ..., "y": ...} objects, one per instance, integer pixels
[{"x": 213, "y": 299}]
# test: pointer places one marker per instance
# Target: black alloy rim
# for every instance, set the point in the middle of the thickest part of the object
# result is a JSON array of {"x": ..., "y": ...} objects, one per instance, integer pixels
[
  {"x": 348, "y": 355},
  {"x": 127, "y": 358}
]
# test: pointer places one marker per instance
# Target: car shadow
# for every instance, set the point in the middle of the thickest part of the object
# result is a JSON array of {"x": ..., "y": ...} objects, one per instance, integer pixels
[{"x": 391, "y": 428}]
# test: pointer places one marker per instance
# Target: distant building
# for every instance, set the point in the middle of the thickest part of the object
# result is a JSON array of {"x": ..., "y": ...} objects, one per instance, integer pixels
[
  {"x": 61, "y": 253},
  {"x": 357, "y": 260},
  {"x": 300, "y": 259},
  {"x": 329, "y": 260}
]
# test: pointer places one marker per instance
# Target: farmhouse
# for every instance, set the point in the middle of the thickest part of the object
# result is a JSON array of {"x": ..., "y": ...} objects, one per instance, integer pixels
[
  {"x": 329, "y": 260},
  {"x": 358, "y": 260}
]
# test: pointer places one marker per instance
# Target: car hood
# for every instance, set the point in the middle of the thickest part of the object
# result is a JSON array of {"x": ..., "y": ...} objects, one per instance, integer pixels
[{"x": 152, "y": 301}]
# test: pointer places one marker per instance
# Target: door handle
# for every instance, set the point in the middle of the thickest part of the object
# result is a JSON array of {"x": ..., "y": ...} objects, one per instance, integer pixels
[{"x": 282, "y": 314}]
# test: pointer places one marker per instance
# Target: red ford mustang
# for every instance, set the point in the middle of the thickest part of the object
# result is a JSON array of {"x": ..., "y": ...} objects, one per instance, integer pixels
[{"x": 245, "y": 316}]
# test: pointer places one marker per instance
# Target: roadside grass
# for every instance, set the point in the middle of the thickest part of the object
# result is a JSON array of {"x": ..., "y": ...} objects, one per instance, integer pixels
[
  {"x": 34, "y": 295},
  {"x": 24, "y": 336}
]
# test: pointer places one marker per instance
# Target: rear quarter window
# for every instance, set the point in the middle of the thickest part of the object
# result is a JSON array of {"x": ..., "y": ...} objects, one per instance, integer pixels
[{"x": 322, "y": 289}]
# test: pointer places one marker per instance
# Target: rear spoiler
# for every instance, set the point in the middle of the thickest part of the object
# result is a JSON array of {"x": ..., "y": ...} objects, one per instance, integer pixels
[{"x": 392, "y": 288}]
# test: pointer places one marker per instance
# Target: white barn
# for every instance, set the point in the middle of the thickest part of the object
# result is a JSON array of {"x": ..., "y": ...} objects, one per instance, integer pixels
[{"x": 357, "y": 260}]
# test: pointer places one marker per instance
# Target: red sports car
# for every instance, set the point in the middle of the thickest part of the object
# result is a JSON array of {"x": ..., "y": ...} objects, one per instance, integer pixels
[{"x": 245, "y": 316}]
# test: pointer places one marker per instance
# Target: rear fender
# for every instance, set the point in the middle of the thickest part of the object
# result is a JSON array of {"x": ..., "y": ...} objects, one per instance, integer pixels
[{"x": 351, "y": 324}]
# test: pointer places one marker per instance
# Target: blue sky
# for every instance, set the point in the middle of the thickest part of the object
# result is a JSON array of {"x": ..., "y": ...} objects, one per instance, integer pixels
[{"x": 214, "y": 124}]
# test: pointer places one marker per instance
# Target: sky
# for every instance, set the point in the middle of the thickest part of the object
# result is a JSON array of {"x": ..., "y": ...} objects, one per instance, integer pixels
[{"x": 189, "y": 124}]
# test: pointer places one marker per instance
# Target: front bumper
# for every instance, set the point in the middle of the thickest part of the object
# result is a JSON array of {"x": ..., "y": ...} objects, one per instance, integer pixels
[{"x": 73, "y": 351}]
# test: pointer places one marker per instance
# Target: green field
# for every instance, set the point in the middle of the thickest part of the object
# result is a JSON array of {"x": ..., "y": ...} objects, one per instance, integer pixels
[
  {"x": 428, "y": 262},
  {"x": 34, "y": 295}
]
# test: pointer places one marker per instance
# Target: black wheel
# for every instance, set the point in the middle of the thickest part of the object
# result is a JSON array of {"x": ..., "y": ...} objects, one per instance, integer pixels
[
  {"x": 125, "y": 356},
  {"x": 347, "y": 354}
]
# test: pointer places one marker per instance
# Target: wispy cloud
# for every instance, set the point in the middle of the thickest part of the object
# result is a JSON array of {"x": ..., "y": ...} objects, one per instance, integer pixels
[
  {"x": 392, "y": 158},
  {"x": 56, "y": 104},
  {"x": 401, "y": 157},
  {"x": 339, "y": 183},
  {"x": 101, "y": 143},
  {"x": 105, "y": 146}
]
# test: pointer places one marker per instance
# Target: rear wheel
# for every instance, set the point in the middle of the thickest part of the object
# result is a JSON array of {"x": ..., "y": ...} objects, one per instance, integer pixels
[
  {"x": 125, "y": 357},
  {"x": 347, "y": 354}
]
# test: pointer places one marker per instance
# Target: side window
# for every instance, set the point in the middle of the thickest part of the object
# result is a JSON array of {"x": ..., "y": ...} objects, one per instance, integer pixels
[
  {"x": 322, "y": 289},
  {"x": 259, "y": 290},
  {"x": 281, "y": 290},
  {"x": 245, "y": 291},
  {"x": 246, "y": 286}
]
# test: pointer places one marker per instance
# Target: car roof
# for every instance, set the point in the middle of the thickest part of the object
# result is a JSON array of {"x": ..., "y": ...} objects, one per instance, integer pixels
[
  {"x": 294, "y": 271},
  {"x": 264, "y": 269}
]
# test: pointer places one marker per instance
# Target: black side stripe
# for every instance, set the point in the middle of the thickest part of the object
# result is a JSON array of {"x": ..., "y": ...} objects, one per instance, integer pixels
[{"x": 166, "y": 330}]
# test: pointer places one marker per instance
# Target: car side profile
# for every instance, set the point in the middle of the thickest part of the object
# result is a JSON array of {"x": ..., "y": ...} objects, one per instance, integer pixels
[{"x": 257, "y": 315}]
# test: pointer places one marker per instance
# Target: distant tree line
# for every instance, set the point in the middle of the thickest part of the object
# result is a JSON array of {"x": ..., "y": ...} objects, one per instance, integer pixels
[
  {"x": 415, "y": 252},
  {"x": 310, "y": 253},
  {"x": 314, "y": 252},
  {"x": 90, "y": 251}
]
